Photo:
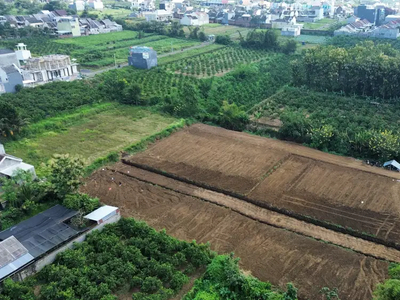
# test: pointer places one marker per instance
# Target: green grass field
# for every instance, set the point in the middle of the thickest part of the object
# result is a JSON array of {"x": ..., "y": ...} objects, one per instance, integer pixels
[
  {"x": 219, "y": 29},
  {"x": 90, "y": 132},
  {"x": 320, "y": 24}
]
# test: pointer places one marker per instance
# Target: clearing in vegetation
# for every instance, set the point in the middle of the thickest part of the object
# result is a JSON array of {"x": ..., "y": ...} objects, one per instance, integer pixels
[
  {"x": 298, "y": 180},
  {"x": 90, "y": 132},
  {"x": 269, "y": 253}
]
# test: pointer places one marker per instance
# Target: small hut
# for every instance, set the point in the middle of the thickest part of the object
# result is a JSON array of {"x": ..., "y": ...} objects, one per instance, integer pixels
[
  {"x": 392, "y": 165},
  {"x": 142, "y": 57}
]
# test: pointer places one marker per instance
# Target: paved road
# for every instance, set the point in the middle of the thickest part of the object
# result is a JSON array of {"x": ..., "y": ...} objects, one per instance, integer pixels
[{"x": 92, "y": 73}]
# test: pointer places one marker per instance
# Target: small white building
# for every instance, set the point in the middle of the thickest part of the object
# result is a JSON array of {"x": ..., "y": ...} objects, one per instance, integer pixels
[
  {"x": 102, "y": 214},
  {"x": 195, "y": 19},
  {"x": 10, "y": 164},
  {"x": 22, "y": 52},
  {"x": 291, "y": 30}
]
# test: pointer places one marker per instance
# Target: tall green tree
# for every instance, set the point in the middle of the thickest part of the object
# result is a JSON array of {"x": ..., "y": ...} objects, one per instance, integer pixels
[{"x": 64, "y": 174}]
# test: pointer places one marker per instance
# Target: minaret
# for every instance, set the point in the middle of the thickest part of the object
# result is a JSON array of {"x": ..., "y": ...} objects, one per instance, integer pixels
[{"x": 332, "y": 12}]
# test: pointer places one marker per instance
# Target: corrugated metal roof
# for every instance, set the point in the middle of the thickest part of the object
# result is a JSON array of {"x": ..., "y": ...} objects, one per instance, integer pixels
[
  {"x": 18, "y": 166},
  {"x": 101, "y": 212},
  {"x": 44, "y": 231},
  {"x": 392, "y": 163},
  {"x": 15, "y": 265}
]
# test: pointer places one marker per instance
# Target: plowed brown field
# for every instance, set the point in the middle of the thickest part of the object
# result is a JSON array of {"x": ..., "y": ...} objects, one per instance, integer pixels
[
  {"x": 326, "y": 187},
  {"x": 269, "y": 253}
]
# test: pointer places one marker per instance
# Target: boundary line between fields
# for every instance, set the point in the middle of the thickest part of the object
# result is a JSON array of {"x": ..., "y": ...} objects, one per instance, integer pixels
[{"x": 267, "y": 206}]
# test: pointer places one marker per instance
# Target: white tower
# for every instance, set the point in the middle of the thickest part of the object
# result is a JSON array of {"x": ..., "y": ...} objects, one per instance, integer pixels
[{"x": 22, "y": 53}]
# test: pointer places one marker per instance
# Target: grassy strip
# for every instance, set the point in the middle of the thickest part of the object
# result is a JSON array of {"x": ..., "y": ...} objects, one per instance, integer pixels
[
  {"x": 141, "y": 145},
  {"x": 65, "y": 119}
]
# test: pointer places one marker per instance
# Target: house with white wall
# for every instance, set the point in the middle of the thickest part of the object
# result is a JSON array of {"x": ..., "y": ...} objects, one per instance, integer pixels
[{"x": 195, "y": 19}]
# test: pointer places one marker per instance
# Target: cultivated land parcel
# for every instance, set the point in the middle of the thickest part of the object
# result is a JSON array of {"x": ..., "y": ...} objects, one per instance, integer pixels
[{"x": 184, "y": 183}]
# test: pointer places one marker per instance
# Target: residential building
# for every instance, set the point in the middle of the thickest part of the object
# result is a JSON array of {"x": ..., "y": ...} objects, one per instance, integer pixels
[
  {"x": 22, "y": 52},
  {"x": 8, "y": 57},
  {"x": 241, "y": 20},
  {"x": 68, "y": 26},
  {"x": 158, "y": 15},
  {"x": 358, "y": 27},
  {"x": 195, "y": 19},
  {"x": 311, "y": 15},
  {"x": 142, "y": 57},
  {"x": 292, "y": 30},
  {"x": 10, "y": 164},
  {"x": 96, "y": 4},
  {"x": 283, "y": 22},
  {"x": 113, "y": 26},
  {"x": 387, "y": 31},
  {"x": 374, "y": 15},
  {"x": 77, "y": 5},
  {"x": 10, "y": 77},
  {"x": 49, "y": 68}
]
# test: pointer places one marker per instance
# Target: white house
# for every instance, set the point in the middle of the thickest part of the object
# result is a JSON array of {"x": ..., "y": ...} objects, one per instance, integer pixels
[
  {"x": 158, "y": 15},
  {"x": 291, "y": 30},
  {"x": 195, "y": 19},
  {"x": 96, "y": 4},
  {"x": 10, "y": 164}
]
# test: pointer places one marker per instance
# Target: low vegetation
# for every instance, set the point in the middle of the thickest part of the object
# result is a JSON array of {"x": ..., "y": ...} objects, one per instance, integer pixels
[
  {"x": 90, "y": 131},
  {"x": 224, "y": 280}
]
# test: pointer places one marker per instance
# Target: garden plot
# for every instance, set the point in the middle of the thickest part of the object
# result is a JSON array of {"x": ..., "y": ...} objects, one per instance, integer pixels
[
  {"x": 301, "y": 180},
  {"x": 269, "y": 253}
]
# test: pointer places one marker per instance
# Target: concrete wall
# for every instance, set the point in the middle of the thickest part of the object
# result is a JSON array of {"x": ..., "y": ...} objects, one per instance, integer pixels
[{"x": 49, "y": 258}]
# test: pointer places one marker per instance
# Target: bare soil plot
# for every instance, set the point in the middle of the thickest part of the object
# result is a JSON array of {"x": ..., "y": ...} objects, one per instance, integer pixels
[
  {"x": 363, "y": 201},
  {"x": 326, "y": 187},
  {"x": 267, "y": 252}
]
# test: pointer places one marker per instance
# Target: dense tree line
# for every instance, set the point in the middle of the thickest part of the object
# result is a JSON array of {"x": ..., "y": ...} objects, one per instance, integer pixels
[
  {"x": 366, "y": 69},
  {"x": 346, "y": 125},
  {"x": 125, "y": 255}
]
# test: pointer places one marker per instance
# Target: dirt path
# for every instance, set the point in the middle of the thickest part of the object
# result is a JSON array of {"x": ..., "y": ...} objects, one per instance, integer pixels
[{"x": 263, "y": 215}]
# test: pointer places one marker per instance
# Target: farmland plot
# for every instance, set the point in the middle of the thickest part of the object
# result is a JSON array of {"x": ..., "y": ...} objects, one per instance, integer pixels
[
  {"x": 217, "y": 62},
  {"x": 301, "y": 180},
  {"x": 269, "y": 253}
]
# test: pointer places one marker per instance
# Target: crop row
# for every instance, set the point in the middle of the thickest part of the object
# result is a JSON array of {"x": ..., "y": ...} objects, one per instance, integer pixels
[{"x": 216, "y": 62}]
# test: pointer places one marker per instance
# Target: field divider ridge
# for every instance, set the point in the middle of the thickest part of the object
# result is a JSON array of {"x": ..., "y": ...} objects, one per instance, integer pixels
[
  {"x": 268, "y": 206},
  {"x": 267, "y": 217}
]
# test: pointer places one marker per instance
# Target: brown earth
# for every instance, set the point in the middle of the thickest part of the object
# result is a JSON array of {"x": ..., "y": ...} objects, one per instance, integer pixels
[
  {"x": 327, "y": 187},
  {"x": 270, "y": 253}
]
